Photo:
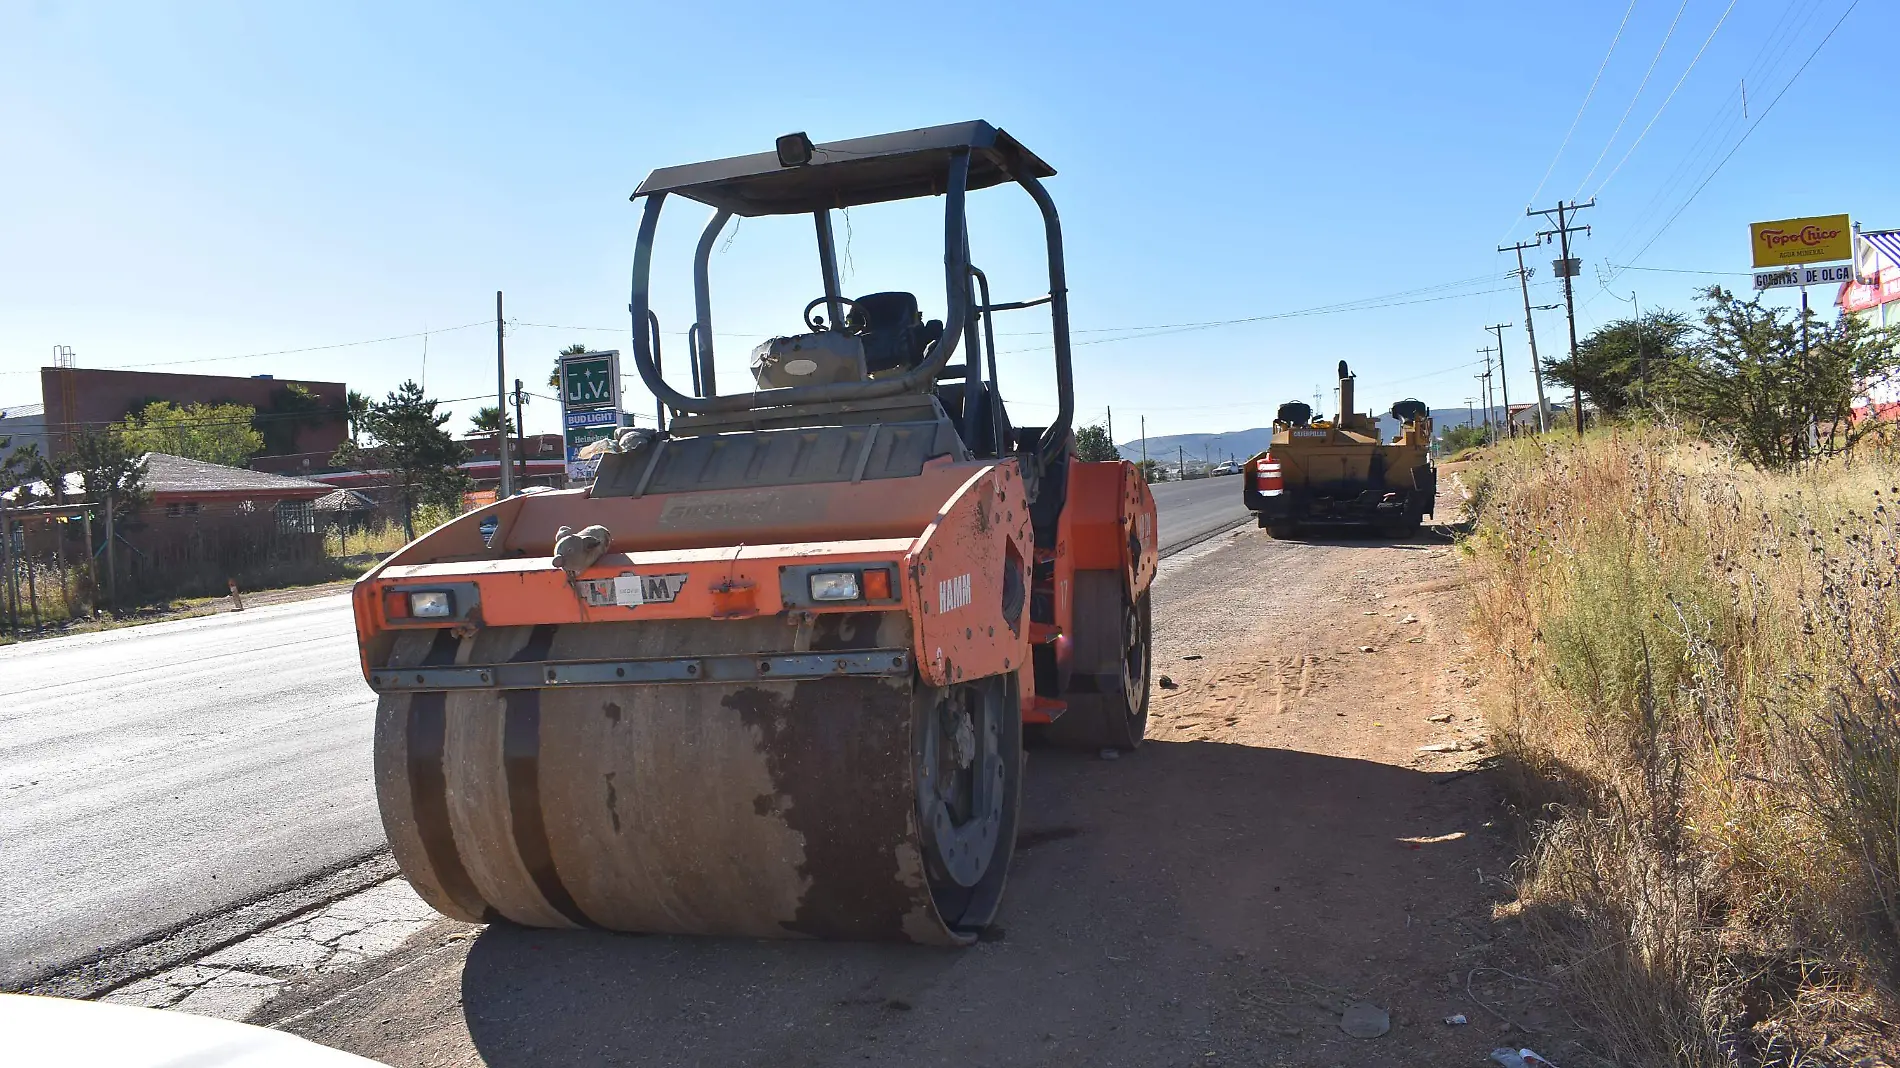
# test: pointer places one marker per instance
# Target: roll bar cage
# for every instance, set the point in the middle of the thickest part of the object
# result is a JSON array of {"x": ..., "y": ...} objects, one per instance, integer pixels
[{"x": 804, "y": 178}]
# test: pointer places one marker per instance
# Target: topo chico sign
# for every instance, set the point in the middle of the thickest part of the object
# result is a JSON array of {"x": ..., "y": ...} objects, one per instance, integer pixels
[{"x": 1785, "y": 242}]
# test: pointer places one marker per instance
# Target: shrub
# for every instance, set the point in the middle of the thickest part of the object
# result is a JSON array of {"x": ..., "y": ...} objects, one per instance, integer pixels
[{"x": 1692, "y": 683}]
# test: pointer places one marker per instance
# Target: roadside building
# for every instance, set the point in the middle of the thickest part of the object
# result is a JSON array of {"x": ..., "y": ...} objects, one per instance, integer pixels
[
  {"x": 203, "y": 523},
  {"x": 541, "y": 460},
  {"x": 303, "y": 422},
  {"x": 1876, "y": 301},
  {"x": 24, "y": 424}
]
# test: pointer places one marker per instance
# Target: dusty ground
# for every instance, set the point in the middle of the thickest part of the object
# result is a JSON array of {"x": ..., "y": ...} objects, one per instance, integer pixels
[
  {"x": 1279, "y": 850},
  {"x": 180, "y": 608}
]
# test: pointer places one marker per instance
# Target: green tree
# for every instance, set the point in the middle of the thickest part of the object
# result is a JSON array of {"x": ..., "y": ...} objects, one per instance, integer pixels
[
  {"x": 417, "y": 459},
  {"x": 1750, "y": 380},
  {"x": 356, "y": 410},
  {"x": 554, "y": 376},
  {"x": 1152, "y": 471},
  {"x": 1459, "y": 438},
  {"x": 491, "y": 422},
  {"x": 1091, "y": 443},
  {"x": 106, "y": 465},
  {"x": 26, "y": 465},
  {"x": 214, "y": 433},
  {"x": 291, "y": 409},
  {"x": 1609, "y": 364}
]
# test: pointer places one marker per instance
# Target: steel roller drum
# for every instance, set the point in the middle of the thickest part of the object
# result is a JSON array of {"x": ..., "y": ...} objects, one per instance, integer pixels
[{"x": 866, "y": 808}]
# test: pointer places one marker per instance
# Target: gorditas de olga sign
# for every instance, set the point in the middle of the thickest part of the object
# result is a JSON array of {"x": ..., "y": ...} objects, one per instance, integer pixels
[{"x": 1816, "y": 239}]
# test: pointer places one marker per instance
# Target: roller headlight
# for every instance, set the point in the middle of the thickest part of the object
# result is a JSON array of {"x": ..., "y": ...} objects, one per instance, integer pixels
[
  {"x": 431, "y": 604},
  {"x": 834, "y": 586}
]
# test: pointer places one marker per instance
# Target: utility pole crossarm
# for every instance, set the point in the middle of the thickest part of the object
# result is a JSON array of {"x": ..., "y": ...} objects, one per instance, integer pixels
[{"x": 1564, "y": 213}]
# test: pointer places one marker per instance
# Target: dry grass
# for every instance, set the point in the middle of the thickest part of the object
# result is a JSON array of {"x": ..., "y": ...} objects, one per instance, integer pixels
[{"x": 1692, "y": 672}]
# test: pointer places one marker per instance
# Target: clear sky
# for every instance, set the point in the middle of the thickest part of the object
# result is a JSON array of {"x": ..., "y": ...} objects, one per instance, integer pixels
[{"x": 186, "y": 185}]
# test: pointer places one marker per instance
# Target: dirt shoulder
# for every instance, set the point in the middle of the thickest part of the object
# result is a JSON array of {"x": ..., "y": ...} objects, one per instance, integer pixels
[
  {"x": 181, "y": 608},
  {"x": 1280, "y": 850}
]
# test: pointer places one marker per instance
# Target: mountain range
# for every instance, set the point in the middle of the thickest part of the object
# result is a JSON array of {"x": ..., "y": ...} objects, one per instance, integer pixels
[{"x": 1241, "y": 444}]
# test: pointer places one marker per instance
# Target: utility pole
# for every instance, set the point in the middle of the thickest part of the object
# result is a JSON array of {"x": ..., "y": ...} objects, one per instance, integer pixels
[
  {"x": 1504, "y": 376},
  {"x": 521, "y": 450},
  {"x": 1490, "y": 401},
  {"x": 112, "y": 567},
  {"x": 1484, "y": 393},
  {"x": 1144, "y": 448},
  {"x": 1111, "y": 431},
  {"x": 1180, "y": 462},
  {"x": 1567, "y": 267},
  {"x": 504, "y": 487},
  {"x": 1530, "y": 331}
]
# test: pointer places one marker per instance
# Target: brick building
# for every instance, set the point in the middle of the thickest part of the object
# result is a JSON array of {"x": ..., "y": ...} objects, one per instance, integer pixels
[{"x": 90, "y": 398}]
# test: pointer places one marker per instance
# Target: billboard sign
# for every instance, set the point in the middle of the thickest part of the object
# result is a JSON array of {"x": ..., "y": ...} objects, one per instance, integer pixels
[
  {"x": 1816, "y": 239},
  {"x": 590, "y": 380},
  {"x": 590, "y": 406}
]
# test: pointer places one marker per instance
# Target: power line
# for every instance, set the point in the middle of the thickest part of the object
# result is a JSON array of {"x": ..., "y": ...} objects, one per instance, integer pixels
[
  {"x": 1300, "y": 313},
  {"x": 1382, "y": 300},
  {"x": 1634, "y": 97},
  {"x": 279, "y": 352},
  {"x": 1672, "y": 270},
  {"x": 1745, "y": 134},
  {"x": 1665, "y": 104},
  {"x": 1722, "y": 121},
  {"x": 317, "y": 416},
  {"x": 1601, "y": 67}
]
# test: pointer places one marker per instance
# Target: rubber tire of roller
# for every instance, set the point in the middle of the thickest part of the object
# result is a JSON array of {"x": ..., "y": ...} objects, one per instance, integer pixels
[
  {"x": 1281, "y": 531},
  {"x": 1106, "y": 720}
]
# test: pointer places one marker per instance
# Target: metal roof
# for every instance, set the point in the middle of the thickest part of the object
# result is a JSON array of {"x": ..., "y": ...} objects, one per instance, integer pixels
[
  {"x": 1887, "y": 241},
  {"x": 23, "y": 411},
  {"x": 843, "y": 174},
  {"x": 168, "y": 474},
  {"x": 344, "y": 500}
]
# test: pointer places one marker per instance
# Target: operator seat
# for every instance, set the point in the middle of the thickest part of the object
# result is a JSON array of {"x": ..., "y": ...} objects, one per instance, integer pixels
[{"x": 892, "y": 330}]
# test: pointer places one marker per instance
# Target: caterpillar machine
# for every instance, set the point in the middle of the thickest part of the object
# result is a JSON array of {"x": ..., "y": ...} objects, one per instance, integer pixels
[
  {"x": 769, "y": 675},
  {"x": 1320, "y": 473}
]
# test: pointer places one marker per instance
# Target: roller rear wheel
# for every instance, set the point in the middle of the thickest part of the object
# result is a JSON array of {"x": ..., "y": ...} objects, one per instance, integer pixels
[{"x": 1113, "y": 656}]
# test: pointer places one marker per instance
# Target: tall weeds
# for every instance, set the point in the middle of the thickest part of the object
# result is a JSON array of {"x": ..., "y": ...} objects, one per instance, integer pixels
[{"x": 1694, "y": 671}]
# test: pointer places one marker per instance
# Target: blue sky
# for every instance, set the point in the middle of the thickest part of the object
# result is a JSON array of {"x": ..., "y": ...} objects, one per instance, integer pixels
[{"x": 188, "y": 184}]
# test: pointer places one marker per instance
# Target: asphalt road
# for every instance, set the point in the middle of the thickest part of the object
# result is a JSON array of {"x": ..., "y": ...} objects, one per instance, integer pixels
[
  {"x": 155, "y": 774},
  {"x": 151, "y": 774},
  {"x": 1190, "y": 511}
]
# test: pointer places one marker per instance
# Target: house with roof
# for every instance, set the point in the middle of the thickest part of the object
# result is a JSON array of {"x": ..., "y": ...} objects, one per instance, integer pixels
[
  {"x": 198, "y": 524},
  {"x": 181, "y": 488},
  {"x": 24, "y": 424}
]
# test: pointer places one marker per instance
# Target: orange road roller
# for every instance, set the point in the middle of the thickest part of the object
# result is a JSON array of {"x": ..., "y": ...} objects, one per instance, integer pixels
[{"x": 770, "y": 674}]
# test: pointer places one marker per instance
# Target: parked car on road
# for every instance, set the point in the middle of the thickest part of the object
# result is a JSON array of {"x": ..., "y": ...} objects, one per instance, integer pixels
[{"x": 1226, "y": 467}]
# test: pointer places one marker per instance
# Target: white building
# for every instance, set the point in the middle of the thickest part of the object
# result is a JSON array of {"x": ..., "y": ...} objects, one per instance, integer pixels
[{"x": 1877, "y": 301}]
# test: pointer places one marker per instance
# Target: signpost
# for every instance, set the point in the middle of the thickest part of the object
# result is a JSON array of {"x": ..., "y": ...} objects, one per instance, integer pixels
[
  {"x": 1790, "y": 244},
  {"x": 590, "y": 406}
]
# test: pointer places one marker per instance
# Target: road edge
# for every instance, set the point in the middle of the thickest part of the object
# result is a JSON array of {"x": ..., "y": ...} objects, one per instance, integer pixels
[{"x": 125, "y": 963}]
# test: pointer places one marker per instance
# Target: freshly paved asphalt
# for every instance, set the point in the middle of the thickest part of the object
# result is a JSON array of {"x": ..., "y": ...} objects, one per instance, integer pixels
[
  {"x": 1190, "y": 511},
  {"x": 155, "y": 774}
]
